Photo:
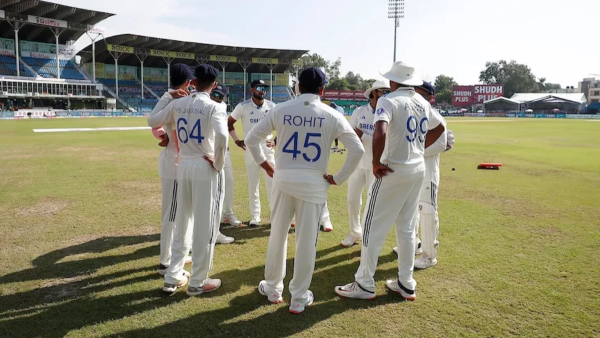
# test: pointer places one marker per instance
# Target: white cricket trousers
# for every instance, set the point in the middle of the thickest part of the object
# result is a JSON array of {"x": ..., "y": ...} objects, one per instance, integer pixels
[
  {"x": 169, "y": 210},
  {"x": 307, "y": 231},
  {"x": 360, "y": 179},
  {"x": 199, "y": 196},
  {"x": 393, "y": 199},
  {"x": 428, "y": 217},
  {"x": 228, "y": 201},
  {"x": 253, "y": 171}
]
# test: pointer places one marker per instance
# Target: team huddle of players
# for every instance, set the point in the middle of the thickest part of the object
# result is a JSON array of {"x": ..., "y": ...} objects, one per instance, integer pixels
[{"x": 393, "y": 145}]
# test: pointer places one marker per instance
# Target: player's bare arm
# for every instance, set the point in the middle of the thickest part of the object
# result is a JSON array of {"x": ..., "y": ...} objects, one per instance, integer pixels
[
  {"x": 433, "y": 135},
  {"x": 379, "y": 136},
  {"x": 231, "y": 126}
]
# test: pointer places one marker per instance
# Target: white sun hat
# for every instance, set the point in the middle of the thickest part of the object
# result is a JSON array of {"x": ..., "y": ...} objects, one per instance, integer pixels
[
  {"x": 379, "y": 84},
  {"x": 402, "y": 73}
]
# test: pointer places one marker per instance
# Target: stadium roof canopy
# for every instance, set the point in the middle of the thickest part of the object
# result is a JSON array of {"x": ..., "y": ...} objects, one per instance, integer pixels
[
  {"x": 19, "y": 10},
  {"x": 501, "y": 99},
  {"x": 577, "y": 98},
  {"x": 149, "y": 47}
]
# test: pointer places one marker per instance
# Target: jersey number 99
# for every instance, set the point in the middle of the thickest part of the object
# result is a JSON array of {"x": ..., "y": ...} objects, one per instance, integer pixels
[
  {"x": 416, "y": 129},
  {"x": 182, "y": 133},
  {"x": 293, "y": 142}
]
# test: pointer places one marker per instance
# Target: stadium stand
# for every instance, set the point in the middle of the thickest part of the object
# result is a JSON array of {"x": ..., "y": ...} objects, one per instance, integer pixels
[
  {"x": 47, "y": 68},
  {"x": 8, "y": 66}
]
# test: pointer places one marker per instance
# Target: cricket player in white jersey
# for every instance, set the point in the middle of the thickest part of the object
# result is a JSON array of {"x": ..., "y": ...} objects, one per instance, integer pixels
[
  {"x": 201, "y": 126},
  {"x": 218, "y": 94},
  {"x": 428, "y": 215},
  {"x": 305, "y": 127},
  {"x": 362, "y": 122},
  {"x": 251, "y": 112},
  {"x": 404, "y": 127},
  {"x": 181, "y": 76}
]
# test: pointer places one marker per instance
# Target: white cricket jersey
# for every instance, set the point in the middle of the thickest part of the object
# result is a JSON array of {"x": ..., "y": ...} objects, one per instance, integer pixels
[
  {"x": 362, "y": 119},
  {"x": 200, "y": 124},
  {"x": 409, "y": 117},
  {"x": 305, "y": 128},
  {"x": 251, "y": 114},
  {"x": 168, "y": 158},
  {"x": 432, "y": 155}
]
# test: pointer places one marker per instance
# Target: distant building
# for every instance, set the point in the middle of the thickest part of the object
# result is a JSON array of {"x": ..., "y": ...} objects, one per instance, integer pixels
[{"x": 591, "y": 88}]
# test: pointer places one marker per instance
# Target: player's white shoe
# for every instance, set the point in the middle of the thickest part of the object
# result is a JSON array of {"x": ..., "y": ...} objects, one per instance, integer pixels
[
  {"x": 326, "y": 226},
  {"x": 298, "y": 306},
  {"x": 350, "y": 241},
  {"x": 232, "y": 220},
  {"x": 397, "y": 287},
  {"x": 255, "y": 221},
  {"x": 354, "y": 290},
  {"x": 268, "y": 292},
  {"x": 209, "y": 286},
  {"x": 171, "y": 288},
  {"x": 423, "y": 262},
  {"x": 222, "y": 239}
]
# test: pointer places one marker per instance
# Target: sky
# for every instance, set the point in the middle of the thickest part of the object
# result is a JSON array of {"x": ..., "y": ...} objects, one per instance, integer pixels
[{"x": 452, "y": 37}]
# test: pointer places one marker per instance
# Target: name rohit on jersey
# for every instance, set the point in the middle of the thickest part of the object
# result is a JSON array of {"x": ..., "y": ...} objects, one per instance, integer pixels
[{"x": 300, "y": 121}]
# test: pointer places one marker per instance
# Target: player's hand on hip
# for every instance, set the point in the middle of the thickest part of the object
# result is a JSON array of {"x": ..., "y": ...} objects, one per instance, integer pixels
[
  {"x": 270, "y": 144},
  {"x": 210, "y": 160},
  {"x": 178, "y": 93},
  {"x": 241, "y": 144},
  {"x": 164, "y": 141},
  {"x": 268, "y": 167},
  {"x": 329, "y": 178},
  {"x": 450, "y": 140},
  {"x": 380, "y": 170}
]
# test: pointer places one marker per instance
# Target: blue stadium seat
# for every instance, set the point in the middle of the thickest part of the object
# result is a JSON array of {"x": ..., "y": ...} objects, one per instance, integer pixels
[
  {"x": 8, "y": 66},
  {"x": 47, "y": 68}
]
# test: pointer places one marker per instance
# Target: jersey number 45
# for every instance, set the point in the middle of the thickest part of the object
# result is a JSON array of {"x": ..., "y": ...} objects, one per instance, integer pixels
[{"x": 291, "y": 147}]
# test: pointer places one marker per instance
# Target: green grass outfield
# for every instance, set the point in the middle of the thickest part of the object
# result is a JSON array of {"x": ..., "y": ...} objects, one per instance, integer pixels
[{"x": 519, "y": 253}]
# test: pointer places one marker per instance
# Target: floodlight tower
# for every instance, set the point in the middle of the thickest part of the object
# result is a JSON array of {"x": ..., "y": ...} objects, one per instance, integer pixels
[{"x": 396, "y": 12}]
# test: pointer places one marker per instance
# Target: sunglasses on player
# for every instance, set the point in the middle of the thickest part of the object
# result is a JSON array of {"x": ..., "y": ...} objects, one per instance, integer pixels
[
  {"x": 384, "y": 91},
  {"x": 262, "y": 89},
  {"x": 217, "y": 96}
]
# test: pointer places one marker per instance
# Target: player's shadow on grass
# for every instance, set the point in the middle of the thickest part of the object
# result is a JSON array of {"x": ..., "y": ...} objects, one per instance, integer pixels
[
  {"x": 77, "y": 301},
  {"x": 49, "y": 266},
  {"x": 279, "y": 323}
]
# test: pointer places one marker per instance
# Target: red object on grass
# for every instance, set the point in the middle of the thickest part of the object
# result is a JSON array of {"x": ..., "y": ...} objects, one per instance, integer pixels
[{"x": 489, "y": 166}]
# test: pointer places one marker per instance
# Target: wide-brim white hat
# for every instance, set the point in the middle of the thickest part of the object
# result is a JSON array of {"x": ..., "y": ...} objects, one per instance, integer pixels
[
  {"x": 402, "y": 73},
  {"x": 379, "y": 84}
]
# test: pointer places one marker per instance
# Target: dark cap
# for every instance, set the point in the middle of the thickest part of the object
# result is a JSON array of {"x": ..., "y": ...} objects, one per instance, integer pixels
[
  {"x": 180, "y": 73},
  {"x": 206, "y": 72},
  {"x": 426, "y": 86},
  {"x": 257, "y": 83},
  {"x": 312, "y": 77},
  {"x": 221, "y": 89}
]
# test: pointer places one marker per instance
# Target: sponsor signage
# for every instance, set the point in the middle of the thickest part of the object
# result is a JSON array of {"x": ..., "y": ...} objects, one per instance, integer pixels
[
  {"x": 462, "y": 96},
  {"x": 266, "y": 61},
  {"x": 174, "y": 55},
  {"x": 482, "y": 93},
  {"x": 120, "y": 49},
  {"x": 222, "y": 58},
  {"x": 471, "y": 114},
  {"x": 96, "y": 29},
  {"x": 344, "y": 94},
  {"x": 297, "y": 62},
  {"x": 47, "y": 22}
]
